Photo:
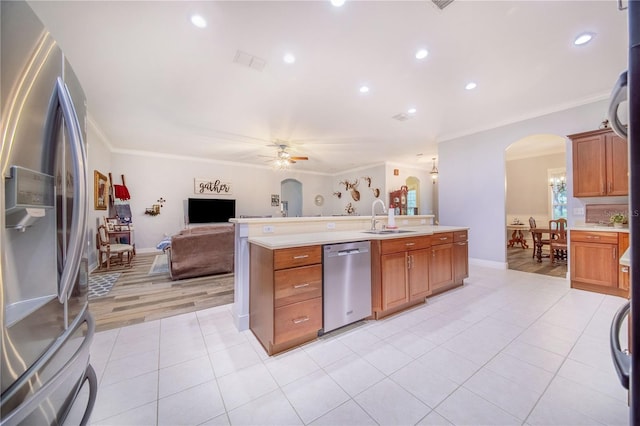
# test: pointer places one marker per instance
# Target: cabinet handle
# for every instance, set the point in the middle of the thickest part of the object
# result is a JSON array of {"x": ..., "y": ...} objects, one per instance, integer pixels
[
  {"x": 300, "y": 320},
  {"x": 301, "y": 285},
  {"x": 410, "y": 244},
  {"x": 302, "y": 256},
  {"x": 444, "y": 238},
  {"x": 615, "y": 252},
  {"x": 625, "y": 269},
  {"x": 593, "y": 237},
  {"x": 463, "y": 243},
  {"x": 409, "y": 262},
  {"x": 610, "y": 185}
]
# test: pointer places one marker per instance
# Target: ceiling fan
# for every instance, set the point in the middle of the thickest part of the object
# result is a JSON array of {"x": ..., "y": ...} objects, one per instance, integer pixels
[{"x": 284, "y": 159}]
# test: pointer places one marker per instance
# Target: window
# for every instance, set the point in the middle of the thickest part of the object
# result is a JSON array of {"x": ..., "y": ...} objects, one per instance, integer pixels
[
  {"x": 412, "y": 203},
  {"x": 557, "y": 193}
]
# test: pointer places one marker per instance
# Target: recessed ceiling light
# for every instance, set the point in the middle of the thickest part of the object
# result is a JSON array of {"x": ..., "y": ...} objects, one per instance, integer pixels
[
  {"x": 364, "y": 89},
  {"x": 289, "y": 58},
  {"x": 422, "y": 53},
  {"x": 337, "y": 3},
  {"x": 411, "y": 110},
  {"x": 583, "y": 38},
  {"x": 198, "y": 21},
  {"x": 471, "y": 85}
]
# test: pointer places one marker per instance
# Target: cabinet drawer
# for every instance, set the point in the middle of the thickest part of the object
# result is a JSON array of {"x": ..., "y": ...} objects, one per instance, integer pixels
[
  {"x": 594, "y": 237},
  {"x": 298, "y": 319},
  {"x": 442, "y": 238},
  {"x": 460, "y": 236},
  {"x": 403, "y": 244},
  {"x": 296, "y": 256},
  {"x": 297, "y": 284}
]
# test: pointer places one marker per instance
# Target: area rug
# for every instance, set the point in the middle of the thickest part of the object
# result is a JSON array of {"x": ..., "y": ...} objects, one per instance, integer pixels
[
  {"x": 101, "y": 284},
  {"x": 160, "y": 265}
]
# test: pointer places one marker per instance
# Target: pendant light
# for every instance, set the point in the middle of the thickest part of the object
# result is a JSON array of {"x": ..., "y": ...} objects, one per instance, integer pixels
[{"x": 434, "y": 171}]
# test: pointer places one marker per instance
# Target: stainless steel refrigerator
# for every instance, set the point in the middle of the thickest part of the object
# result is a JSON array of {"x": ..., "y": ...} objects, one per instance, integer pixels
[
  {"x": 628, "y": 89},
  {"x": 44, "y": 320}
]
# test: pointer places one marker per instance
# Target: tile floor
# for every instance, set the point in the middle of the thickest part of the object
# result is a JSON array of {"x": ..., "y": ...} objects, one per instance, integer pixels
[{"x": 507, "y": 348}]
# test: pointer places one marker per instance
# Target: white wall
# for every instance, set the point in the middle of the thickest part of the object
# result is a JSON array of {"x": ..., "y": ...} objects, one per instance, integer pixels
[
  {"x": 150, "y": 177},
  {"x": 472, "y": 175},
  {"x": 99, "y": 158},
  {"x": 528, "y": 186}
]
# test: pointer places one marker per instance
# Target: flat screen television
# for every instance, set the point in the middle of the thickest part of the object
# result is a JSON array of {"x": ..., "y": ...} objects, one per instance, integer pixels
[{"x": 208, "y": 210}]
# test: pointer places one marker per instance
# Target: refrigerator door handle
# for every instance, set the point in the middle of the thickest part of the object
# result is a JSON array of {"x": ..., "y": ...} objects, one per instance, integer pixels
[
  {"x": 79, "y": 215},
  {"x": 18, "y": 414},
  {"x": 621, "y": 361},
  {"x": 618, "y": 95}
]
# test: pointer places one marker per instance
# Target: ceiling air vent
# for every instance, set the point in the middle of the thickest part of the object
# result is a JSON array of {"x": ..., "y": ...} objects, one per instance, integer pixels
[
  {"x": 442, "y": 3},
  {"x": 401, "y": 117},
  {"x": 250, "y": 61}
]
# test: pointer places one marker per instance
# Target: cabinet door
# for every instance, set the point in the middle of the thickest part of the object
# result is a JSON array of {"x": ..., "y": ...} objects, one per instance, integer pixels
[
  {"x": 589, "y": 166},
  {"x": 441, "y": 266},
  {"x": 460, "y": 261},
  {"x": 617, "y": 165},
  {"x": 419, "y": 274},
  {"x": 596, "y": 264},
  {"x": 395, "y": 290}
]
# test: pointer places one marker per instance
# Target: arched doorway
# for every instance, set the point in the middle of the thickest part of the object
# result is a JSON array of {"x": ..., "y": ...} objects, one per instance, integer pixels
[
  {"x": 532, "y": 164},
  {"x": 291, "y": 197}
]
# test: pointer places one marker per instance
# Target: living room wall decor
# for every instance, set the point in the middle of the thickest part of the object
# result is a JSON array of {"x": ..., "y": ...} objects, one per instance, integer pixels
[
  {"x": 100, "y": 194},
  {"x": 212, "y": 186}
]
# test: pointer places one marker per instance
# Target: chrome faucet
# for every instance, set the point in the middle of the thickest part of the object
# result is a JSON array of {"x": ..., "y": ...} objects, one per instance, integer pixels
[{"x": 373, "y": 212}]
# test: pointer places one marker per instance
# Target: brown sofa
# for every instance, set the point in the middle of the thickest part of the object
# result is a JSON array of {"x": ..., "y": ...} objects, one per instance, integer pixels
[{"x": 203, "y": 250}]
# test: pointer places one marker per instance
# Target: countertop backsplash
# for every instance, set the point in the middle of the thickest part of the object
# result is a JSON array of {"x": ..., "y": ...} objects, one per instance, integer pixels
[{"x": 600, "y": 213}]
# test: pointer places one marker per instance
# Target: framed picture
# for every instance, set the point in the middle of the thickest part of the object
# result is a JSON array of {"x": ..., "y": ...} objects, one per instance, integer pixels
[
  {"x": 112, "y": 224},
  {"x": 100, "y": 193}
]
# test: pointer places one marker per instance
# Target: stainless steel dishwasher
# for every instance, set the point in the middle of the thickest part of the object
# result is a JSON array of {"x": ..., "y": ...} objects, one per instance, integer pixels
[{"x": 347, "y": 283}]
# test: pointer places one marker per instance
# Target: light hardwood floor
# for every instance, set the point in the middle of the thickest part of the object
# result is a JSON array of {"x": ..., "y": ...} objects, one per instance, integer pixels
[
  {"x": 138, "y": 297},
  {"x": 520, "y": 259}
]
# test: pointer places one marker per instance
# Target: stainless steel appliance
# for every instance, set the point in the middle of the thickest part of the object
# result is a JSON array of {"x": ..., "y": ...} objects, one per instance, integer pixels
[
  {"x": 628, "y": 88},
  {"x": 46, "y": 329},
  {"x": 346, "y": 283}
]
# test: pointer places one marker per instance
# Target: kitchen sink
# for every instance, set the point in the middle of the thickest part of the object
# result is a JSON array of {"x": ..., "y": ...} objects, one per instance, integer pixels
[{"x": 388, "y": 231}]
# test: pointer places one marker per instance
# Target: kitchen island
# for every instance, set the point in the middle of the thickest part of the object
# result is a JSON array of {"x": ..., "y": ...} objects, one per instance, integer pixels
[{"x": 285, "y": 272}]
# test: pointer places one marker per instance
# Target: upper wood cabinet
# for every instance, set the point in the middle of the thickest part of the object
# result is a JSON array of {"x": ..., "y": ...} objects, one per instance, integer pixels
[{"x": 600, "y": 164}]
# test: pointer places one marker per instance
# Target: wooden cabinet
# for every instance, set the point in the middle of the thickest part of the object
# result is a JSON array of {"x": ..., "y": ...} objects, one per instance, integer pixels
[
  {"x": 400, "y": 273},
  {"x": 441, "y": 261},
  {"x": 460, "y": 256},
  {"x": 600, "y": 164},
  {"x": 285, "y": 296},
  {"x": 594, "y": 261},
  {"x": 404, "y": 271}
]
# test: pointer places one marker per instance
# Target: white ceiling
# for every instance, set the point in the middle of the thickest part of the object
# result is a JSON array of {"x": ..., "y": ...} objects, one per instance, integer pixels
[{"x": 156, "y": 83}]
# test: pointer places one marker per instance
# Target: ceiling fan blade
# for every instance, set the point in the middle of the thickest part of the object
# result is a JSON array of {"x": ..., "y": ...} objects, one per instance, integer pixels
[{"x": 299, "y": 158}]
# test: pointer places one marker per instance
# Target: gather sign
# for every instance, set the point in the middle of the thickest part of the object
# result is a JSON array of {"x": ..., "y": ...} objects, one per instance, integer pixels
[{"x": 211, "y": 186}]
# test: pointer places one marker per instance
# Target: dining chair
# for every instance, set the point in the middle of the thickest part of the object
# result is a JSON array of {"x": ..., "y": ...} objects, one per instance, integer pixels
[
  {"x": 558, "y": 240},
  {"x": 538, "y": 241},
  {"x": 108, "y": 250}
]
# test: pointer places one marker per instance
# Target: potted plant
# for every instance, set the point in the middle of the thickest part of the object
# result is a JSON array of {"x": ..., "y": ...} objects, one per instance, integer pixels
[{"x": 618, "y": 219}]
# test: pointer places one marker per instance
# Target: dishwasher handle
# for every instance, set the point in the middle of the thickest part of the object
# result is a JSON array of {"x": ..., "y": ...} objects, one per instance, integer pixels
[{"x": 348, "y": 252}]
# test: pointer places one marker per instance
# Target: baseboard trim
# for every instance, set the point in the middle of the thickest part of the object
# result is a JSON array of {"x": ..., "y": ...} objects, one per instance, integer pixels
[{"x": 488, "y": 263}]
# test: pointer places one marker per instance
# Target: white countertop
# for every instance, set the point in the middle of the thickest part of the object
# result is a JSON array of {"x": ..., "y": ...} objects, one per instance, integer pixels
[
  {"x": 329, "y": 237},
  {"x": 595, "y": 227}
]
